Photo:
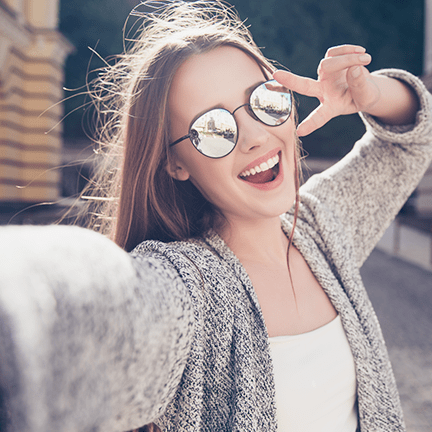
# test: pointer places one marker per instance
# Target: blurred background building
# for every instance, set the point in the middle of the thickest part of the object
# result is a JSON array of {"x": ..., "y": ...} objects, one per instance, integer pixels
[
  {"x": 424, "y": 202},
  {"x": 32, "y": 56},
  {"x": 43, "y": 160}
]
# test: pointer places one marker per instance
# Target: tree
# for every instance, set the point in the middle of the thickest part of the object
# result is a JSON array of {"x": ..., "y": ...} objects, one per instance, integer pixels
[
  {"x": 295, "y": 33},
  {"x": 298, "y": 33},
  {"x": 92, "y": 26}
]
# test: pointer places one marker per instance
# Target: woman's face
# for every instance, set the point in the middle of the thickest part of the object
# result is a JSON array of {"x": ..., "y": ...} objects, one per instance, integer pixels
[{"x": 224, "y": 77}]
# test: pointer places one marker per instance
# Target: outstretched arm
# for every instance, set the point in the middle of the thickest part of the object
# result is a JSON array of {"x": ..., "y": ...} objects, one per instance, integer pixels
[
  {"x": 345, "y": 86},
  {"x": 90, "y": 338}
]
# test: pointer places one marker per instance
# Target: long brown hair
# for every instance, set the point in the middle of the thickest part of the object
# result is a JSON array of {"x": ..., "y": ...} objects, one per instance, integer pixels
[{"x": 135, "y": 198}]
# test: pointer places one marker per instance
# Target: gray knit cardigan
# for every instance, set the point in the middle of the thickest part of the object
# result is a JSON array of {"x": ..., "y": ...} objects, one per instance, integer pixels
[{"x": 94, "y": 339}]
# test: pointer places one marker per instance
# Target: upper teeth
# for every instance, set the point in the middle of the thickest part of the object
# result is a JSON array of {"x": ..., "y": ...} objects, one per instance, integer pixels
[{"x": 261, "y": 167}]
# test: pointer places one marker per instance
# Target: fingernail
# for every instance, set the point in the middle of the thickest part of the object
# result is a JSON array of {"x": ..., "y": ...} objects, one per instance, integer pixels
[
  {"x": 356, "y": 72},
  {"x": 359, "y": 49},
  {"x": 365, "y": 58}
]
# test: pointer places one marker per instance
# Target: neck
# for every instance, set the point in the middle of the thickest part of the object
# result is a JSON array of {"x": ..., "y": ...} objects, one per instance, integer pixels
[{"x": 257, "y": 240}]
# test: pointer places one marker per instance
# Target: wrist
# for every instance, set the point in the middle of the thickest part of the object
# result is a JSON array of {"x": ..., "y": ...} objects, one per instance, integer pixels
[{"x": 398, "y": 103}]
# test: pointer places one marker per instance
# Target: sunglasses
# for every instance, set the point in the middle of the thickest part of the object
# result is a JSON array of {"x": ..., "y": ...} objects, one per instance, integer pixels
[{"x": 215, "y": 133}]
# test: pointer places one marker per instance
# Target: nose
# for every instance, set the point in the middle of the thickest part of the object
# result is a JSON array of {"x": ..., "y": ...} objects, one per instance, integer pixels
[{"x": 251, "y": 132}]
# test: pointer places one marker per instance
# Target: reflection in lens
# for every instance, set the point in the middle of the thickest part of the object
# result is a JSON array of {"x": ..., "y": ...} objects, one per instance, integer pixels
[
  {"x": 214, "y": 133},
  {"x": 271, "y": 102}
]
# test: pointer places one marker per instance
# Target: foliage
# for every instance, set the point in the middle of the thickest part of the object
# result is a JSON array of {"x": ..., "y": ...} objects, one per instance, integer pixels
[
  {"x": 295, "y": 33},
  {"x": 91, "y": 25},
  {"x": 298, "y": 33}
]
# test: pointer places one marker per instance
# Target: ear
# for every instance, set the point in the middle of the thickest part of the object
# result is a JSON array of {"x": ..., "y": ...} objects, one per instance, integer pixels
[{"x": 176, "y": 171}]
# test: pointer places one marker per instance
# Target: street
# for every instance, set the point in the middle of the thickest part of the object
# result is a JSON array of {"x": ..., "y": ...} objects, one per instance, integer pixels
[{"x": 402, "y": 296}]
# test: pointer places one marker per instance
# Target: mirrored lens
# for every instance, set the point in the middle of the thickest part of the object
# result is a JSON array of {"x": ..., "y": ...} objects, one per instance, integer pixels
[
  {"x": 271, "y": 102},
  {"x": 214, "y": 133}
]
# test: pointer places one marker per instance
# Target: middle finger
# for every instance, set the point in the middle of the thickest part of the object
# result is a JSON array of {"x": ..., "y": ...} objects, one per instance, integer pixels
[{"x": 331, "y": 65}]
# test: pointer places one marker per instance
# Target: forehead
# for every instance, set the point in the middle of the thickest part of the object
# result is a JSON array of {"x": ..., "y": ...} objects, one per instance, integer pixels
[{"x": 221, "y": 77}]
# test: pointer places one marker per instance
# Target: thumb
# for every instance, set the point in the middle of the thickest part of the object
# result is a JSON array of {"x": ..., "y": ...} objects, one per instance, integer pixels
[
  {"x": 364, "y": 91},
  {"x": 316, "y": 119}
]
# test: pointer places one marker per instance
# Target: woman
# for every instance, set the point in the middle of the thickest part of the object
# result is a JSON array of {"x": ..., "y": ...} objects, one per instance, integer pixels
[{"x": 225, "y": 316}]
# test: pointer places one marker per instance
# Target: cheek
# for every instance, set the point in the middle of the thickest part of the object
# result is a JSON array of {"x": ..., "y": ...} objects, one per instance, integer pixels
[
  {"x": 206, "y": 191},
  {"x": 214, "y": 181},
  {"x": 292, "y": 145},
  {"x": 290, "y": 131},
  {"x": 288, "y": 136},
  {"x": 207, "y": 181},
  {"x": 184, "y": 155},
  {"x": 287, "y": 132}
]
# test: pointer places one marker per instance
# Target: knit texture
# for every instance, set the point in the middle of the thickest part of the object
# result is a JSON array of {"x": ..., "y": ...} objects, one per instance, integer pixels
[
  {"x": 94, "y": 339},
  {"x": 343, "y": 214}
]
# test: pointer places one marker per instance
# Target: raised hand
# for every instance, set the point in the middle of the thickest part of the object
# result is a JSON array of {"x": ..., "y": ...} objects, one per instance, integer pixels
[{"x": 345, "y": 86}]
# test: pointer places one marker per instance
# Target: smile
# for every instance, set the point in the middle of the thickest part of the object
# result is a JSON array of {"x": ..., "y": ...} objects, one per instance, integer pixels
[
  {"x": 263, "y": 173},
  {"x": 261, "y": 167}
]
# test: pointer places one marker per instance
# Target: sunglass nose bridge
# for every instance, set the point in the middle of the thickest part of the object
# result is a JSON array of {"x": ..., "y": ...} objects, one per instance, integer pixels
[{"x": 241, "y": 106}]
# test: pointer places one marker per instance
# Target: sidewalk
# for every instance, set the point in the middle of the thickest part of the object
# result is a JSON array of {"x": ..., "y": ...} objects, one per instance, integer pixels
[
  {"x": 402, "y": 298},
  {"x": 409, "y": 238}
]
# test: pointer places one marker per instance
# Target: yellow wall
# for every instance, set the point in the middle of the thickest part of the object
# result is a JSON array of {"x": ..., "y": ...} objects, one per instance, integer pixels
[{"x": 31, "y": 77}]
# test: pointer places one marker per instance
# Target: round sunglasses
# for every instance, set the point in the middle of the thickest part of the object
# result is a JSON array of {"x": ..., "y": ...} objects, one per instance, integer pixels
[{"x": 215, "y": 133}]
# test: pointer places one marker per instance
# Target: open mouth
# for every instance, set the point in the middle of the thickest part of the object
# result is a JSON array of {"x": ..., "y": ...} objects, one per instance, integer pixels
[{"x": 266, "y": 172}]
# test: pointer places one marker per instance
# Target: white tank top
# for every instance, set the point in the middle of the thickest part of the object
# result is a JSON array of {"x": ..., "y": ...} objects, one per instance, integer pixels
[{"x": 315, "y": 381}]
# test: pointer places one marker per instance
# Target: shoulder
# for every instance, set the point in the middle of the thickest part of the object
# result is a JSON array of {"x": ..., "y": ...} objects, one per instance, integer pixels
[
  {"x": 176, "y": 253},
  {"x": 192, "y": 259}
]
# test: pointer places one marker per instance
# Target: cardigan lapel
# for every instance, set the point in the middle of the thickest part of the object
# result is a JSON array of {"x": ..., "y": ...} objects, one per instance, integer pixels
[
  {"x": 330, "y": 256},
  {"x": 227, "y": 255}
]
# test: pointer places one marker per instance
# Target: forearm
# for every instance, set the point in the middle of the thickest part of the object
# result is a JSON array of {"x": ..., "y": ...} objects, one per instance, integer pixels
[
  {"x": 367, "y": 187},
  {"x": 89, "y": 335},
  {"x": 397, "y": 104}
]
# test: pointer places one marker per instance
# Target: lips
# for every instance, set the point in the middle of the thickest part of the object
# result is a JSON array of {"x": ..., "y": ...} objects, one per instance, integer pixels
[
  {"x": 263, "y": 168},
  {"x": 262, "y": 172}
]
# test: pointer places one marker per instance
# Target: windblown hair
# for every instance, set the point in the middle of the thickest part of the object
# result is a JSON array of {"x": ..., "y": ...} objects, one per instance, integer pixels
[{"x": 133, "y": 198}]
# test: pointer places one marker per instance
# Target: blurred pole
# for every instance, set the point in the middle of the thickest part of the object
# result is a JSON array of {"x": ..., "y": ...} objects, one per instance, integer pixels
[{"x": 427, "y": 64}]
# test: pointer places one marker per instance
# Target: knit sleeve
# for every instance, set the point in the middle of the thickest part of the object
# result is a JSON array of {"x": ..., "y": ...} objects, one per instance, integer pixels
[
  {"x": 91, "y": 338},
  {"x": 365, "y": 190}
]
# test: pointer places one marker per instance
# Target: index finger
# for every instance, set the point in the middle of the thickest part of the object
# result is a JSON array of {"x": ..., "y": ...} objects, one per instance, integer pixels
[{"x": 299, "y": 84}]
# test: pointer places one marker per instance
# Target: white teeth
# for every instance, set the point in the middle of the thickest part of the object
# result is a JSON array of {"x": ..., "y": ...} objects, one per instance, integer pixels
[{"x": 264, "y": 166}]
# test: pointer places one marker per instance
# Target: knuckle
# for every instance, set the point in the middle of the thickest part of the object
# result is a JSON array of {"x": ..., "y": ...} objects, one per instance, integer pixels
[{"x": 323, "y": 66}]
